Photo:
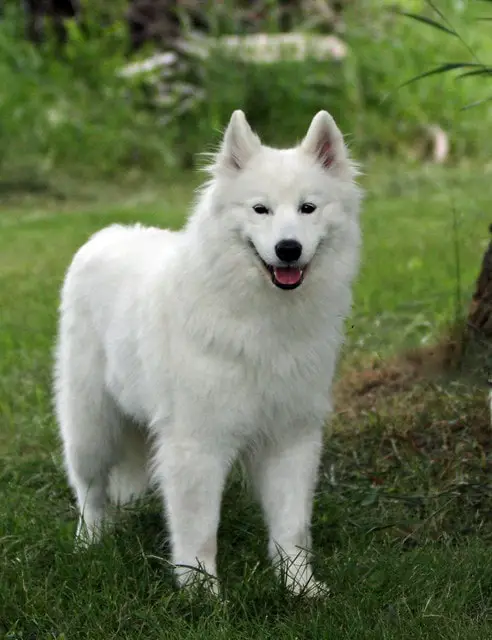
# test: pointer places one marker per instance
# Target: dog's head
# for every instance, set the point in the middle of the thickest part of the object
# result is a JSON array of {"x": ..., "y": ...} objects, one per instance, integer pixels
[{"x": 286, "y": 204}]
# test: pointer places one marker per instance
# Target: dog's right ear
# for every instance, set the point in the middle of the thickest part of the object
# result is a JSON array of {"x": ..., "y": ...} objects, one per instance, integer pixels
[{"x": 239, "y": 144}]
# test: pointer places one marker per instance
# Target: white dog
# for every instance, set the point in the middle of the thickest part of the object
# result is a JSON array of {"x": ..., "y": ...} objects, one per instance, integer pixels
[{"x": 180, "y": 352}]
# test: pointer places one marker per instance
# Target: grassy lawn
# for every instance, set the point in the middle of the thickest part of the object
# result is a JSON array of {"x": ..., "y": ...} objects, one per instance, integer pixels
[{"x": 403, "y": 520}]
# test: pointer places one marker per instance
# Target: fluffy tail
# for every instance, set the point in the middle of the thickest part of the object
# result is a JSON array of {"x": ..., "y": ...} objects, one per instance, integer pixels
[{"x": 129, "y": 479}]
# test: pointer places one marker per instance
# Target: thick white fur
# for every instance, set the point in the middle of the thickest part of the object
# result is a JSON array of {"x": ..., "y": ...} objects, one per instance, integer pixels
[{"x": 177, "y": 344}]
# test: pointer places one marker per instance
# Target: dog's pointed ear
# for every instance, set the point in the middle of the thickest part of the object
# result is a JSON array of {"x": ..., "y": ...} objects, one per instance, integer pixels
[
  {"x": 239, "y": 144},
  {"x": 324, "y": 141}
]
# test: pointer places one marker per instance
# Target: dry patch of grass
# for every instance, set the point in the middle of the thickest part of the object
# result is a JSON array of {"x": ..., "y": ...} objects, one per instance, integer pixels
[{"x": 412, "y": 437}]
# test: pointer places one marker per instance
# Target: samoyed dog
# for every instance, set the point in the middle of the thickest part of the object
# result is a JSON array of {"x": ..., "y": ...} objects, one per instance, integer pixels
[{"x": 180, "y": 352}]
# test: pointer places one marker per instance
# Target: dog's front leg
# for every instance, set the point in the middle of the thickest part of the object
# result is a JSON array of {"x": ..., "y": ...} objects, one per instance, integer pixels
[
  {"x": 191, "y": 474},
  {"x": 284, "y": 475}
]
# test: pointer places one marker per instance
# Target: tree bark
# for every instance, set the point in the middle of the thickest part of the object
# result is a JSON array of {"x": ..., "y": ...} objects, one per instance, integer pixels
[{"x": 480, "y": 312}]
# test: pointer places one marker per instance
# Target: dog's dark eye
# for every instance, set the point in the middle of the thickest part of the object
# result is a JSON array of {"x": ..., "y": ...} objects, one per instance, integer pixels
[
  {"x": 307, "y": 207},
  {"x": 260, "y": 208}
]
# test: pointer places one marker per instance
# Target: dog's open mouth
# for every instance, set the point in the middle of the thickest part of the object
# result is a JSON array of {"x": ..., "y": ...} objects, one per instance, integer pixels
[
  {"x": 286, "y": 277},
  {"x": 282, "y": 277}
]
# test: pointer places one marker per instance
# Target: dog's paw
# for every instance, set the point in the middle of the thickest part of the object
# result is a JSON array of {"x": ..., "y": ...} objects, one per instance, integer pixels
[
  {"x": 90, "y": 531},
  {"x": 86, "y": 536},
  {"x": 198, "y": 582},
  {"x": 310, "y": 589},
  {"x": 314, "y": 589}
]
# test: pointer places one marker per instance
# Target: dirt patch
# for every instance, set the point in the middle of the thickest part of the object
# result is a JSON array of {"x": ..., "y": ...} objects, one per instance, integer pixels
[{"x": 377, "y": 382}]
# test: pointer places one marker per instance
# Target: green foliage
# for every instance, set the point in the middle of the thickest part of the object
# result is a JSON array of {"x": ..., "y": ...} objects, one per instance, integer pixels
[
  {"x": 466, "y": 69},
  {"x": 364, "y": 92},
  {"x": 391, "y": 50},
  {"x": 69, "y": 110}
]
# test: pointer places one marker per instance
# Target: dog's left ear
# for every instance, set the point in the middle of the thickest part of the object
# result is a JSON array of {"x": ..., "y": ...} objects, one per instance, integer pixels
[
  {"x": 324, "y": 141},
  {"x": 239, "y": 144}
]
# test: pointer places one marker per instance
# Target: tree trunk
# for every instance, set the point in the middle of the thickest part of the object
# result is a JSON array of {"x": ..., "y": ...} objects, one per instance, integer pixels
[{"x": 480, "y": 312}]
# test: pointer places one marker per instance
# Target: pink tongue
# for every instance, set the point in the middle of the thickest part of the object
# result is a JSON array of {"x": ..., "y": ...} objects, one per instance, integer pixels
[{"x": 287, "y": 275}]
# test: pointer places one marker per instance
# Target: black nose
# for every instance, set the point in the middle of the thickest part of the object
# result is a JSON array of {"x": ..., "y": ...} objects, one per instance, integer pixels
[{"x": 288, "y": 250}]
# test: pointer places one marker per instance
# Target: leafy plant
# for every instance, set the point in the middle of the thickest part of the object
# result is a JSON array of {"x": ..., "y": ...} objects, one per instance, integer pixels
[{"x": 465, "y": 69}]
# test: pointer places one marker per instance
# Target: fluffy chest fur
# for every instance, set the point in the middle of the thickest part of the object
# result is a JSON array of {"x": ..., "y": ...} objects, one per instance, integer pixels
[{"x": 253, "y": 374}]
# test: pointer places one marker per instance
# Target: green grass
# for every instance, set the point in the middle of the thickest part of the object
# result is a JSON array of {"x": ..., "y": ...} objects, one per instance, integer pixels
[{"x": 402, "y": 522}]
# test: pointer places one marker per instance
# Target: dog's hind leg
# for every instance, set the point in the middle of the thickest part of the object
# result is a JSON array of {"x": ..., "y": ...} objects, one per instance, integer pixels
[
  {"x": 90, "y": 426},
  {"x": 129, "y": 478},
  {"x": 90, "y": 447}
]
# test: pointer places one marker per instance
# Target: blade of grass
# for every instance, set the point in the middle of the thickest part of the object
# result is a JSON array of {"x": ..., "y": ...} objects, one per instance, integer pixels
[
  {"x": 450, "y": 26},
  {"x": 476, "y": 72},
  {"x": 476, "y": 104},
  {"x": 428, "y": 21},
  {"x": 443, "y": 68}
]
